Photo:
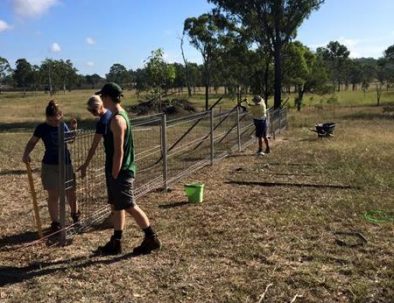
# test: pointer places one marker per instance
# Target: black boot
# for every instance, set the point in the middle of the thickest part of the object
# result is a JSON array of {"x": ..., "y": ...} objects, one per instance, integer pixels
[
  {"x": 149, "y": 244},
  {"x": 113, "y": 247},
  {"x": 76, "y": 216}
]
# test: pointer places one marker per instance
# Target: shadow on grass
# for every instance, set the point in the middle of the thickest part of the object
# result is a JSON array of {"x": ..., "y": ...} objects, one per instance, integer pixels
[
  {"x": 13, "y": 274},
  {"x": 31, "y": 125},
  {"x": 7, "y": 242},
  {"x": 276, "y": 184},
  {"x": 10, "y": 172},
  {"x": 174, "y": 204}
]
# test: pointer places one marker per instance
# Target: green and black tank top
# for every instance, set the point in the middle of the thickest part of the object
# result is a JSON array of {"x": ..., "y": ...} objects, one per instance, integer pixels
[{"x": 128, "y": 163}]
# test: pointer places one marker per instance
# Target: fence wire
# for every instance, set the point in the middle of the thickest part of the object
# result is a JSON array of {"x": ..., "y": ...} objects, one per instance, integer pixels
[{"x": 165, "y": 151}]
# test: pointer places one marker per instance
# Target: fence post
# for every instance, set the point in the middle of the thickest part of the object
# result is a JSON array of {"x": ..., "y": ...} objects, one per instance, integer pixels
[
  {"x": 62, "y": 182},
  {"x": 164, "y": 149},
  {"x": 212, "y": 137},
  {"x": 238, "y": 131}
]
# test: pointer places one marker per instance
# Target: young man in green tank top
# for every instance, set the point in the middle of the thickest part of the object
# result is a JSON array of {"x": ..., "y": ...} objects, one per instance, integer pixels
[{"x": 120, "y": 172}]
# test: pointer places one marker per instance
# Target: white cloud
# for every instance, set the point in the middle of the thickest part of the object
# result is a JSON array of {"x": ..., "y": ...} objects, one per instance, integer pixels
[
  {"x": 55, "y": 48},
  {"x": 4, "y": 26},
  {"x": 90, "y": 41},
  {"x": 90, "y": 63},
  {"x": 32, "y": 8}
]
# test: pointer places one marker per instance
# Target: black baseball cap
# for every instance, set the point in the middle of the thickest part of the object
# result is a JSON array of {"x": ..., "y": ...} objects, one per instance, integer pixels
[{"x": 110, "y": 89}]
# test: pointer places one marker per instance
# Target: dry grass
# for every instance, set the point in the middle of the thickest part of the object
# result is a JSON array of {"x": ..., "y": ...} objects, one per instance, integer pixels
[{"x": 265, "y": 220}]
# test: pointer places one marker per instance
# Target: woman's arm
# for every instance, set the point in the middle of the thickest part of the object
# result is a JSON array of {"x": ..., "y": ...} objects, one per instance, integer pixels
[
  {"x": 29, "y": 148},
  {"x": 92, "y": 151}
]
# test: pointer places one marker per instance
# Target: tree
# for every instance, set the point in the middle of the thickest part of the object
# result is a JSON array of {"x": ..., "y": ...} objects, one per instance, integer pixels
[
  {"x": 23, "y": 73},
  {"x": 389, "y": 53},
  {"x": 304, "y": 70},
  {"x": 5, "y": 70},
  {"x": 48, "y": 72},
  {"x": 118, "y": 74},
  {"x": 274, "y": 23},
  {"x": 160, "y": 74},
  {"x": 93, "y": 80},
  {"x": 67, "y": 73},
  {"x": 336, "y": 57},
  {"x": 204, "y": 32}
]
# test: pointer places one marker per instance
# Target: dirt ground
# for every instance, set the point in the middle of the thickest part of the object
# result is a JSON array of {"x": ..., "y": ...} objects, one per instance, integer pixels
[{"x": 285, "y": 227}]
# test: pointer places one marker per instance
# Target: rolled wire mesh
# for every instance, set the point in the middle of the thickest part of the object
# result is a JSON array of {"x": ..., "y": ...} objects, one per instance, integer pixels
[{"x": 91, "y": 190}]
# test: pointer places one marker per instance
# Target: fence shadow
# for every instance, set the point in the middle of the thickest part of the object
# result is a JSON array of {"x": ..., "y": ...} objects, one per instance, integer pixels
[
  {"x": 17, "y": 239},
  {"x": 173, "y": 204},
  {"x": 10, "y": 172},
  {"x": 276, "y": 184},
  {"x": 12, "y": 274}
]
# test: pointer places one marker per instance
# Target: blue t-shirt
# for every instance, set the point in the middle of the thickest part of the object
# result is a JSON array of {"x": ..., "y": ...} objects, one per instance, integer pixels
[
  {"x": 103, "y": 124},
  {"x": 49, "y": 135}
]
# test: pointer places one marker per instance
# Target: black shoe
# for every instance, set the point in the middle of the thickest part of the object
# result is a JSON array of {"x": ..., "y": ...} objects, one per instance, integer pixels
[
  {"x": 147, "y": 246},
  {"x": 55, "y": 227},
  {"x": 267, "y": 150},
  {"x": 113, "y": 247},
  {"x": 76, "y": 216}
]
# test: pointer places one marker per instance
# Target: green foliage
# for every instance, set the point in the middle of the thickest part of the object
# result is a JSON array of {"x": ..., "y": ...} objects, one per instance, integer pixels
[
  {"x": 272, "y": 24},
  {"x": 118, "y": 74},
  {"x": 160, "y": 74}
]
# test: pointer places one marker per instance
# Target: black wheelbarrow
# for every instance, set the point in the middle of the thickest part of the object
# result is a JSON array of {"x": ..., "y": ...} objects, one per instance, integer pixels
[{"x": 324, "y": 129}]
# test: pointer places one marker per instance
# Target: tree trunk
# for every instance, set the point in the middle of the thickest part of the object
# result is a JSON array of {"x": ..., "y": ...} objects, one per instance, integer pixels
[
  {"x": 378, "y": 94},
  {"x": 189, "y": 89},
  {"x": 266, "y": 94},
  {"x": 301, "y": 92},
  {"x": 278, "y": 75}
]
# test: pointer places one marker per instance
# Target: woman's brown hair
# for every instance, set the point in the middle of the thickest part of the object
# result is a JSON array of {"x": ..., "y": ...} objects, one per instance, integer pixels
[{"x": 53, "y": 109}]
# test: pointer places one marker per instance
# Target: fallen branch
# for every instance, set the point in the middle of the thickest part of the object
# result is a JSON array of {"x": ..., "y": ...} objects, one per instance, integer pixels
[
  {"x": 264, "y": 293},
  {"x": 295, "y": 298}
]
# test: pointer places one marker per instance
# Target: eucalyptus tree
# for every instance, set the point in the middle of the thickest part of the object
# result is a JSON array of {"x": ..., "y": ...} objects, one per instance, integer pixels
[
  {"x": 204, "y": 33},
  {"x": 23, "y": 73},
  {"x": 5, "y": 70},
  {"x": 118, "y": 74},
  {"x": 160, "y": 74},
  {"x": 336, "y": 56},
  {"x": 274, "y": 23},
  {"x": 304, "y": 70}
]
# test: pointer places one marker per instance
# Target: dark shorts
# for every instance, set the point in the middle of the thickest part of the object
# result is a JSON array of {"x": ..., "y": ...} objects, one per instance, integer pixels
[
  {"x": 120, "y": 190},
  {"x": 50, "y": 176},
  {"x": 261, "y": 128}
]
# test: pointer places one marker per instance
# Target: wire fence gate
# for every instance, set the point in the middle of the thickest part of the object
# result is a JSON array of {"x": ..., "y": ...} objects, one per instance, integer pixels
[{"x": 166, "y": 150}]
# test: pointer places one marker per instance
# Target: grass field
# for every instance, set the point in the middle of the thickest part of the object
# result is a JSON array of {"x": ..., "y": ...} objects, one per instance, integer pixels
[{"x": 287, "y": 226}]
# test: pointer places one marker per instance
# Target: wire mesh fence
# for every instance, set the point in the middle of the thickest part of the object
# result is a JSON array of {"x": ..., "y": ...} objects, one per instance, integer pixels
[{"x": 165, "y": 151}]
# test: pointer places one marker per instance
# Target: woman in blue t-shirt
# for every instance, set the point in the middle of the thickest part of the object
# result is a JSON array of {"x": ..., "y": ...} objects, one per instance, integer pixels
[{"x": 48, "y": 132}]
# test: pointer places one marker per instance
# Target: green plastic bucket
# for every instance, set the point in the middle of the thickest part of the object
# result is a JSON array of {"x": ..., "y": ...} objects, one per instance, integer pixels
[{"x": 195, "y": 192}]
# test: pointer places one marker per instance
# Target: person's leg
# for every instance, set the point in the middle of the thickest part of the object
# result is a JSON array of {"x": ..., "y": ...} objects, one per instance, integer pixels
[
  {"x": 72, "y": 200},
  {"x": 267, "y": 147},
  {"x": 264, "y": 131},
  {"x": 139, "y": 216},
  {"x": 118, "y": 219},
  {"x": 53, "y": 208},
  {"x": 151, "y": 241},
  {"x": 260, "y": 140}
]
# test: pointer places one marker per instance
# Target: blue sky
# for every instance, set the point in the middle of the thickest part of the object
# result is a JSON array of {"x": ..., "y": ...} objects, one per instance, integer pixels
[{"x": 94, "y": 34}]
